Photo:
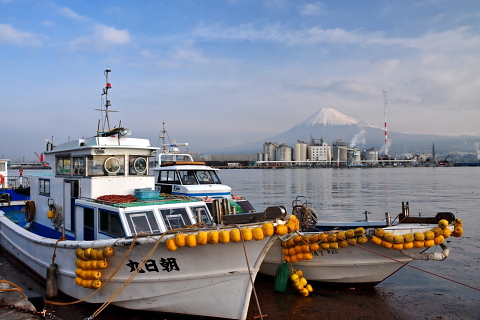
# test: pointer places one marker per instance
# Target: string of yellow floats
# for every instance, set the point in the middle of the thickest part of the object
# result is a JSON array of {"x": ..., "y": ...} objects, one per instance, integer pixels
[
  {"x": 202, "y": 237},
  {"x": 88, "y": 263}
]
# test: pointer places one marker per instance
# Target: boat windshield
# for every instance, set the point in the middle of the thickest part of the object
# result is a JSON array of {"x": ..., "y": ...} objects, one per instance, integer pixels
[
  {"x": 200, "y": 214},
  {"x": 142, "y": 222},
  {"x": 208, "y": 177}
]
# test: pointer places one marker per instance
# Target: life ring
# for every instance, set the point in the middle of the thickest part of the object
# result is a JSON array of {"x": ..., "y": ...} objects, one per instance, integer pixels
[
  {"x": 29, "y": 210},
  {"x": 2, "y": 179}
]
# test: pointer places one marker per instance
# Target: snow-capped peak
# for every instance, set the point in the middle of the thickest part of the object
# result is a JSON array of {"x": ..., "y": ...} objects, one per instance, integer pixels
[{"x": 329, "y": 116}]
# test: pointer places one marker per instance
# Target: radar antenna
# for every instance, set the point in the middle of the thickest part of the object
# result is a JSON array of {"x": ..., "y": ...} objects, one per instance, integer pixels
[{"x": 105, "y": 123}]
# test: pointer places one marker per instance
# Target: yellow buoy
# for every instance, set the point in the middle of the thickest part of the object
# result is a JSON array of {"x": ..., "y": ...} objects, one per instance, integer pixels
[
  {"x": 287, "y": 258},
  {"x": 408, "y": 237},
  {"x": 235, "y": 235},
  {"x": 398, "y": 239},
  {"x": 96, "y": 284},
  {"x": 446, "y": 232},
  {"x": 334, "y": 245},
  {"x": 170, "y": 244},
  {"x": 352, "y": 241},
  {"x": 99, "y": 255},
  {"x": 107, "y": 252},
  {"x": 419, "y": 236},
  {"x": 342, "y": 243},
  {"x": 323, "y": 237},
  {"x": 285, "y": 251},
  {"x": 439, "y": 239},
  {"x": 408, "y": 245},
  {"x": 307, "y": 256},
  {"x": 341, "y": 235},
  {"x": 291, "y": 243},
  {"x": 290, "y": 226},
  {"x": 325, "y": 246},
  {"x": 281, "y": 229},
  {"x": 362, "y": 239},
  {"x": 191, "y": 240},
  {"x": 202, "y": 237},
  {"x": 247, "y": 234},
  {"x": 304, "y": 292},
  {"x": 387, "y": 244},
  {"x": 293, "y": 259},
  {"x": 298, "y": 249},
  {"x": 418, "y": 243},
  {"x": 437, "y": 231},
  {"x": 78, "y": 252},
  {"x": 51, "y": 214},
  {"x": 457, "y": 231},
  {"x": 299, "y": 256},
  {"x": 379, "y": 232},
  {"x": 305, "y": 248},
  {"x": 180, "y": 240},
  {"x": 314, "y": 238},
  {"x": 387, "y": 236},
  {"x": 350, "y": 233},
  {"x": 314, "y": 247},
  {"x": 429, "y": 243},
  {"x": 429, "y": 235},
  {"x": 332, "y": 238},
  {"x": 377, "y": 240},
  {"x": 299, "y": 273},
  {"x": 78, "y": 281},
  {"x": 292, "y": 251},
  {"x": 397, "y": 246},
  {"x": 257, "y": 233},
  {"x": 294, "y": 277},
  {"x": 309, "y": 288},
  {"x": 268, "y": 229},
  {"x": 224, "y": 236},
  {"x": 297, "y": 239},
  {"x": 359, "y": 231},
  {"x": 213, "y": 236},
  {"x": 443, "y": 223},
  {"x": 88, "y": 253}
]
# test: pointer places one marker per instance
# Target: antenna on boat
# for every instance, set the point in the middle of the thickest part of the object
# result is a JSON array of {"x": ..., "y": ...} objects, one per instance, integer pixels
[
  {"x": 164, "y": 149},
  {"x": 106, "y": 122}
]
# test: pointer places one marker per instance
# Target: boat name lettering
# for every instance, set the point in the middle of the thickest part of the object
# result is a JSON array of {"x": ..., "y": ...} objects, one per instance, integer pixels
[
  {"x": 168, "y": 264},
  {"x": 320, "y": 252}
]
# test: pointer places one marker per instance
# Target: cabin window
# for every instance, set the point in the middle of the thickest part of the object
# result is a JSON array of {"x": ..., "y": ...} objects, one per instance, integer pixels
[
  {"x": 187, "y": 177},
  {"x": 110, "y": 223},
  {"x": 88, "y": 218},
  {"x": 203, "y": 213},
  {"x": 63, "y": 166},
  {"x": 140, "y": 222},
  {"x": 175, "y": 218},
  {"x": 105, "y": 165},
  {"x": 79, "y": 166},
  {"x": 44, "y": 187},
  {"x": 168, "y": 176},
  {"x": 138, "y": 165}
]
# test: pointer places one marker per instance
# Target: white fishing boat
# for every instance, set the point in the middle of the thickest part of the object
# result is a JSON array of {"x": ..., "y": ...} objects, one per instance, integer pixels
[
  {"x": 98, "y": 231},
  {"x": 361, "y": 252},
  {"x": 178, "y": 173}
]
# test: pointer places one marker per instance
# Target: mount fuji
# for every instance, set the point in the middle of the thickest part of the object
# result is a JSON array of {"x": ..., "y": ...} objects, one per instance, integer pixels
[{"x": 330, "y": 125}]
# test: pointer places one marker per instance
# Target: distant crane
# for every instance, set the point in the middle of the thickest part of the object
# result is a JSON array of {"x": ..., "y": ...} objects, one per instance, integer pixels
[{"x": 444, "y": 162}]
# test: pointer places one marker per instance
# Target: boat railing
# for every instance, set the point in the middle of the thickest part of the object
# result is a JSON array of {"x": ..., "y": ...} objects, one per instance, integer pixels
[{"x": 15, "y": 182}]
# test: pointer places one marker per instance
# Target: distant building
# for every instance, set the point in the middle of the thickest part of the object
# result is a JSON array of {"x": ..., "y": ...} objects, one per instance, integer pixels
[
  {"x": 300, "y": 151},
  {"x": 269, "y": 150},
  {"x": 283, "y": 153},
  {"x": 319, "y": 150}
]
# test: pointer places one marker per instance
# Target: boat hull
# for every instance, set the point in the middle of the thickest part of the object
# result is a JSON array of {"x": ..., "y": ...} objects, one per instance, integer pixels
[
  {"x": 366, "y": 264},
  {"x": 210, "y": 280}
]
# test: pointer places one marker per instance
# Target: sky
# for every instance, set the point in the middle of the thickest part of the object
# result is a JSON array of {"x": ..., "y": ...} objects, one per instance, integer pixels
[{"x": 224, "y": 73}]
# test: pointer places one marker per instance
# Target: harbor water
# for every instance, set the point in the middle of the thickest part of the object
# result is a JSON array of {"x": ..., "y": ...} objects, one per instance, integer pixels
[{"x": 443, "y": 290}]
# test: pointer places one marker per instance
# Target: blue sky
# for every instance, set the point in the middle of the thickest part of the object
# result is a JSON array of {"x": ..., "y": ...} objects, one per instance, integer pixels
[{"x": 224, "y": 73}]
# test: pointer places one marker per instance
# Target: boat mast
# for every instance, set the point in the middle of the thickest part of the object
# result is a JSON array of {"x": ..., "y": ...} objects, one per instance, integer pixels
[{"x": 106, "y": 121}]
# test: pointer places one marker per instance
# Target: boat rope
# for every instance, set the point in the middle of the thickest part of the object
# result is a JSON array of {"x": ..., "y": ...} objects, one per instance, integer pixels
[
  {"x": 408, "y": 265},
  {"x": 106, "y": 281},
  {"x": 17, "y": 288},
  {"x": 54, "y": 255},
  {"x": 250, "y": 272}
]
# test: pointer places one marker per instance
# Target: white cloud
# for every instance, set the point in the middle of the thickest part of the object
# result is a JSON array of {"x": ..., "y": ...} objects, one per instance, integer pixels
[
  {"x": 9, "y": 34},
  {"x": 312, "y": 9},
  {"x": 102, "y": 38},
  {"x": 70, "y": 13}
]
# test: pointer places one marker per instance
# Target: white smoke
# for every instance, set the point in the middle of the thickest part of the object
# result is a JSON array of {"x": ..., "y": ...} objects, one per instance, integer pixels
[
  {"x": 477, "y": 148},
  {"x": 358, "y": 139},
  {"x": 384, "y": 148}
]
